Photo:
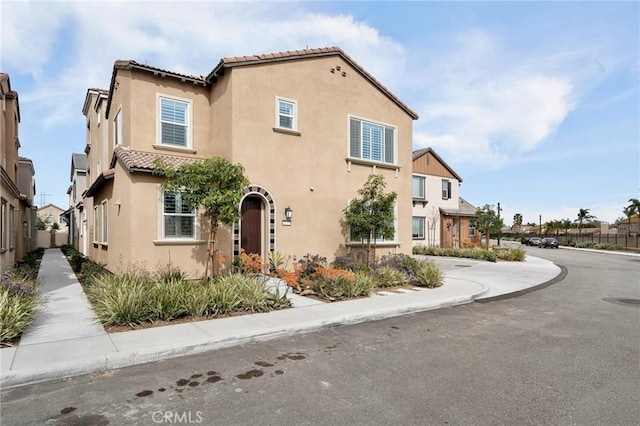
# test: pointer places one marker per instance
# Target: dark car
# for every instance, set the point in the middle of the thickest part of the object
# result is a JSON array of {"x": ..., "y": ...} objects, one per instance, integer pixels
[
  {"x": 549, "y": 242},
  {"x": 533, "y": 241}
]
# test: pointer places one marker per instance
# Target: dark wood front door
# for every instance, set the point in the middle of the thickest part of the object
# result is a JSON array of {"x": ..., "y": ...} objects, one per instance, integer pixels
[{"x": 251, "y": 226}]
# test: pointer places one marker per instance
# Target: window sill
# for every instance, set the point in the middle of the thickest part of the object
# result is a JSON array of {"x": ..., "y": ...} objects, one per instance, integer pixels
[
  {"x": 379, "y": 244},
  {"x": 178, "y": 242},
  {"x": 287, "y": 131},
  {"x": 4, "y": 250},
  {"x": 351, "y": 160},
  {"x": 174, "y": 148},
  {"x": 419, "y": 238},
  {"x": 104, "y": 246}
]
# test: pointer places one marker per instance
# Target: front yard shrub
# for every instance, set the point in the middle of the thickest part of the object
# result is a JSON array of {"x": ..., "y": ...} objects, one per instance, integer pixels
[
  {"x": 388, "y": 277},
  {"x": 18, "y": 305},
  {"x": 121, "y": 299},
  {"x": 516, "y": 255},
  {"x": 608, "y": 246},
  {"x": 252, "y": 294},
  {"x": 428, "y": 275},
  {"x": 223, "y": 295},
  {"x": 512, "y": 254},
  {"x": 167, "y": 298},
  {"x": 342, "y": 286},
  {"x": 408, "y": 265}
]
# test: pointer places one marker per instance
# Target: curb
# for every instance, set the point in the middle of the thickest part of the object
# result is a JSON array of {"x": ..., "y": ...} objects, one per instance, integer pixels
[
  {"x": 561, "y": 276},
  {"x": 118, "y": 360}
]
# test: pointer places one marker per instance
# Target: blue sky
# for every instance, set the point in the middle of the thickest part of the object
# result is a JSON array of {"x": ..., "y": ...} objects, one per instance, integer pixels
[{"x": 535, "y": 104}]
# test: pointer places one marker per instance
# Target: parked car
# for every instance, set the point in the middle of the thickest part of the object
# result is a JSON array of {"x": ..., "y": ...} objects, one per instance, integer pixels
[
  {"x": 533, "y": 241},
  {"x": 549, "y": 242}
]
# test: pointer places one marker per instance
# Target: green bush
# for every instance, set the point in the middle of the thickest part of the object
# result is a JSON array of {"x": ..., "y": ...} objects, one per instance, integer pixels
[
  {"x": 343, "y": 287},
  {"x": 121, "y": 299},
  {"x": 608, "y": 246},
  {"x": 18, "y": 305},
  {"x": 223, "y": 294},
  {"x": 252, "y": 294},
  {"x": 469, "y": 253},
  {"x": 167, "y": 299},
  {"x": 389, "y": 277},
  {"x": 196, "y": 299},
  {"x": 513, "y": 254},
  {"x": 428, "y": 275}
]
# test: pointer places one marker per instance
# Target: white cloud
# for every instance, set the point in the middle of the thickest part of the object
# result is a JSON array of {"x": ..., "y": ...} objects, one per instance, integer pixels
[
  {"x": 190, "y": 39},
  {"x": 485, "y": 104}
]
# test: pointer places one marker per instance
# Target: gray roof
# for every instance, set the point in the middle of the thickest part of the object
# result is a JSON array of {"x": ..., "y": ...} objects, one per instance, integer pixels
[
  {"x": 78, "y": 162},
  {"x": 464, "y": 209}
]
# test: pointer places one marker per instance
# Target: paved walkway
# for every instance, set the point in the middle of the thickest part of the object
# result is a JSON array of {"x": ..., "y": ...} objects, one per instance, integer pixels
[{"x": 66, "y": 339}]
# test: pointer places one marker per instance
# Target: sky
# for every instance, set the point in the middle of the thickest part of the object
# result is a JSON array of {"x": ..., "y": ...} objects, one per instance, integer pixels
[{"x": 536, "y": 105}]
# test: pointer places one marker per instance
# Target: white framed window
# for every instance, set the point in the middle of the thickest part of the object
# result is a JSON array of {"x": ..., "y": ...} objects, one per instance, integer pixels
[
  {"x": 4, "y": 240},
  {"x": 472, "y": 229},
  {"x": 417, "y": 228},
  {"x": 105, "y": 223},
  {"x": 371, "y": 141},
  {"x": 12, "y": 212},
  {"x": 418, "y": 187},
  {"x": 174, "y": 119},
  {"x": 117, "y": 128},
  {"x": 96, "y": 224},
  {"x": 99, "y": 114},
  {"x": 178, "y": 219},
  {"x": 446, "y": 189},
  {"x": 286, "y": 114}
]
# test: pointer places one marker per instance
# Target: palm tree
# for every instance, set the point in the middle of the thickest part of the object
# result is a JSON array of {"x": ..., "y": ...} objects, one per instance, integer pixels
[
  {"x": 632, "y": 210},
  {"x": 517, "y": 221},
  {"x": 583, "y": 216},
  {"x": 566, "y": 225}
]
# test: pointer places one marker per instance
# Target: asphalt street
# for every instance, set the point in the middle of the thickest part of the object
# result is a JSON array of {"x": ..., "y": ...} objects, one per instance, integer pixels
[{"x": 564, "y": 354}]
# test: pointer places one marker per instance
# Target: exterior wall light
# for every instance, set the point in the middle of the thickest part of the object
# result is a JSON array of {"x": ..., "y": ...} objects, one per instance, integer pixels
[{"x": 288, "y": 213}]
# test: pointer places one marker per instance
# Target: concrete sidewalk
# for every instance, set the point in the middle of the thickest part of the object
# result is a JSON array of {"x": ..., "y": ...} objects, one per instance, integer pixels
[{"x": 66, "y": 339}]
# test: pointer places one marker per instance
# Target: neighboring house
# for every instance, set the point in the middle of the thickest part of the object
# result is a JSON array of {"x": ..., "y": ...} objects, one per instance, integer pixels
[
  {"x": 441, "y": 218},
  {"x": 74, "y": 217},
  {"x": 51, "y": 214},
  {"x": 624, "y": 228},
  {"x": 17, "y": 187},
  {"x": 308, "y": 126}
]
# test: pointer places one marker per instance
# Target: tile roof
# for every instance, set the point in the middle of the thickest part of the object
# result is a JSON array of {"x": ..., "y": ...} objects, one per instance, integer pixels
[{"x": 140, "y": 161}]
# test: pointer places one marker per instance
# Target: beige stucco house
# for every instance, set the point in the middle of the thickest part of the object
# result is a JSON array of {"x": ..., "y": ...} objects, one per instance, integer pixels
[
  {"x": 74, "y": 216},
  {"x": 441, "y": 218},
  {"x": 308, "y": 126},
  {"x": 17, "y": 184}
]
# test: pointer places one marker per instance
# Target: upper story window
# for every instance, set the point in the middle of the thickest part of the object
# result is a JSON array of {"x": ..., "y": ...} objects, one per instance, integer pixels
[
  {"x": 286, "y": 117},
  {"x": 446, "y": 189},
  {"x": 174, "y": 122},
  {"x": 178, "y": 219},
  {"x": 117, "y": 128},
  {"x": 371, "y": 141},
  {"x": 418, "y": 187}
]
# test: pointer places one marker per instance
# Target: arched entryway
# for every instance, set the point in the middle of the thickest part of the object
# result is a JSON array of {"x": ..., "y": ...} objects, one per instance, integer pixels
[{"x": 256, "y": 231}]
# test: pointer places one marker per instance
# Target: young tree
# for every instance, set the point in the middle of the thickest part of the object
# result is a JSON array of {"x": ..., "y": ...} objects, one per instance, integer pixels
[
  {"x": 40, "y": 224},
  {"x": 216, "y": 186},
  {"x": 583, "y": 216},
  {"x": 371, "y": 216},
  {"x": 488, "y": 221}
]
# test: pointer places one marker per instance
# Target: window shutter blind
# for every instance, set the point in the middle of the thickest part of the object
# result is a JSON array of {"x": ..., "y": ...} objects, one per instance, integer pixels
[
  {"x": 448, "y": 189},
  {"x": 354, "y": 138},
  {"x": 388, "y": 145}
]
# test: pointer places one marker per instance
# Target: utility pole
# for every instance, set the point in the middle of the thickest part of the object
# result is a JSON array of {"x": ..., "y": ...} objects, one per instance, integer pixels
[
  {"x": 500, "y": 230},
  {"x": 540, "y": 226},
  {"x": 43, "y": 198}
]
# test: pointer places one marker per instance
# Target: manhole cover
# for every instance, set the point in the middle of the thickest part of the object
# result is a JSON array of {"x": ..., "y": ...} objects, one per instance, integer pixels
[
  {"x": 463, "y": 266},
  {"x": 622, "y": 301}
]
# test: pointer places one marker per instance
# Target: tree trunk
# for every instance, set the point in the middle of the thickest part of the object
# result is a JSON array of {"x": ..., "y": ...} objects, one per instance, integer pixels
[{"x": 211, "y": 248}]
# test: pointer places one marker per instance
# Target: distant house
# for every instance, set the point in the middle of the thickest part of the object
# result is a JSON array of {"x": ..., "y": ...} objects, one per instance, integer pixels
[
  {"x": 17, "y": 185},
  {"x": 74, "y": 217},
  {"x": 624, "y": 228},
  {"x": 51, "y": 214},
  {"x": 441, "y": 218},
  {"x": 308, "y": 126}
]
